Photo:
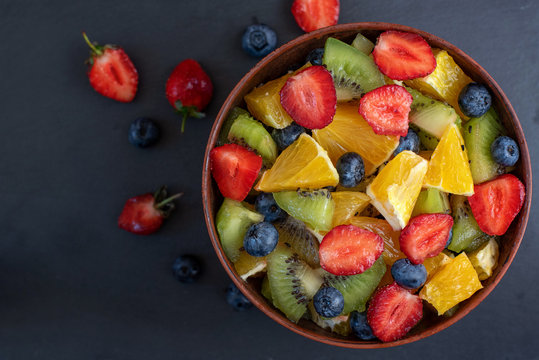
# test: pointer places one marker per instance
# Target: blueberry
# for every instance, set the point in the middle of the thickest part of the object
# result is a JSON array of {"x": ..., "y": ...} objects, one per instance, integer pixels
[
  {"x": 351, "y": 169},
  {"x": 474, "y": 100},
  {"x": 328, "y": 302},
  {"x": 284, "y": 137},
  {"x": 408, "y": 142},
  {"x": 408, "y": 275},
  {"x": 259, "y": 40},
  {"x": 143, "y": 132},
  {"x": 505, "y": 151},
  {"x": 315, "y": 56},
  {"x": 360, "y": 327},
  {"x": 449, "y": 238},
  {"x": 186, "y": 268},
  {"x": 265, "y": 204},
  {"x": 260, "y": 239},
  {"x": 236, "y": 299}
]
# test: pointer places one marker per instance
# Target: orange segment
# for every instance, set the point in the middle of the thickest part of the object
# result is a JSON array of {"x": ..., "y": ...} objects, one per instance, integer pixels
[
  {"x": 449, "y": 169},
  {"x": 349, "y": 132},
  {"x": 248, "y": 265},
  {"x": 304, "y": 164},
  {"x": 434, "y": 264},
  {"x": 347, "y": 204}
]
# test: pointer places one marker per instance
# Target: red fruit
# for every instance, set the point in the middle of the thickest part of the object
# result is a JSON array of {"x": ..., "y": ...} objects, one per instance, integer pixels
[
  {"x": 189, "y": 89},
  {"x": 315, "y": 14},
  {"x": 403, "y": 56},
  {"x": 349, "y": 250},
  {"x": 386, "y": 109},
  {"x": 111, "y": 72},
  {"x": 425, "y": 236},
  {"x": 235, "y": 170},
  {"x": 309, "y": 97},
  {"x": 144, "y": 214},
  {"x": 393, "y": 311},
  {"x": 496, "y": 203}
]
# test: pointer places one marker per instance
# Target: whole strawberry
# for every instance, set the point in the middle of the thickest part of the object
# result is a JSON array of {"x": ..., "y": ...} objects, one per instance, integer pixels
[
  {"x": 189, "y": 89},
  {"x": 144, "y": 214},
  {"x": 111, "y": 72}
]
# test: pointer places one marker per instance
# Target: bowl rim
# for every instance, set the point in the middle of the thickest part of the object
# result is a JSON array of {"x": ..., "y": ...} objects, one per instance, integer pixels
[{"x": 255, "y": 297}]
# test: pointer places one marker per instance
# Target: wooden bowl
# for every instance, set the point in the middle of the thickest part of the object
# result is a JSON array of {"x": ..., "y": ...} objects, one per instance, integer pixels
[{"x": 294, "y": 52}]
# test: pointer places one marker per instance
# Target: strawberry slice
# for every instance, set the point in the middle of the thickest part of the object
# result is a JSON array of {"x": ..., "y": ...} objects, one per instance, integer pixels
[
  {"x": 425, "y": 236},
  {"x": 235, "y": 170},
  {"x": 315, "y": 14},
  {"x": 349, "y": 250},
  {"x": 309, "y": 97},
  {"x": 496, "y": 203},
  {"x": 403, "y": 56},
  {"x": 393, "y": 311},
  {"x": 386, "y": 109},
  {"x": 111, "y": 72}
]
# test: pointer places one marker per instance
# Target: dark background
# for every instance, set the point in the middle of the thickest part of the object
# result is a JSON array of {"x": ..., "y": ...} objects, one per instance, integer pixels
[{"x": 74, "y": 286}]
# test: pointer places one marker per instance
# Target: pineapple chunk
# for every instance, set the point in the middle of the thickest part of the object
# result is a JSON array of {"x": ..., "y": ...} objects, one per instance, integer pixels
[{"x": 485, "y": 259}]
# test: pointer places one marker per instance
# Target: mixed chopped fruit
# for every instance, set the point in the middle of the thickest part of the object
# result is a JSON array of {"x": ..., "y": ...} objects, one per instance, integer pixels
[{"x": 368, "y": 187}]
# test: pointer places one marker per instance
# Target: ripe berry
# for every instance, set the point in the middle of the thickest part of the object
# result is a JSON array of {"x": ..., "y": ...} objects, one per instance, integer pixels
[
  {"x": 285, "y": 137},
  {"x": 474, "y": 100},
  {"x": 265, "y": 204},
  {"x": 409, "y": 142},
  {"x": 236, "y": 299},
  {"x": 259, "y": 40},
  {"x": 351, "y": 169},
  {"x": 143, "y": 132},
  {"x": 328, "y": 302},
  {"x": 408, "y": 275},
  {"x": 260, "y": 239},
  {"x": 186, "y": 268},
  {"x": 505, "y": 151}
]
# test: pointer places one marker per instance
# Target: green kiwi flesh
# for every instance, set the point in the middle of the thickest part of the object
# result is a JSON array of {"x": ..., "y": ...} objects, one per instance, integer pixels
[
  {"x": 227, "y": 124},
  {"x": 250, "y": 133},
  {"x": 363, "y": 44},
  {"x": 300, "y": 238},
  {"x": 315, "y": 208},
  {"x": 466, "y": 232},
  {"x": 429, "y": 115},
  {"x": 431, "y": 201}
]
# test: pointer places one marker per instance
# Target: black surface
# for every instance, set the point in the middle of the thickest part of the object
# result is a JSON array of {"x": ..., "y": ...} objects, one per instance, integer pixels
[{"x": 74, "y": 286}]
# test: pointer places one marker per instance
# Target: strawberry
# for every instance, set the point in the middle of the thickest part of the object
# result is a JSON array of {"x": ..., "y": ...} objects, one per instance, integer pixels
[
  {"x": 235, "y": 170},
  {"x": 315, "y": 14},
  {"x": 144, "y": 214},
  {"x": 425, "y": 236},
  {"x": 393, "y": 311},
  {"x": 189, "y": 90},
  {"x": 386, "y": 109},
  {"x": 111, "y": 72},
  {"x": 496, "y": 203},
  {"x": 349, "y": 250},
  {"x": 403, "y": 56},
  {"x": 309, "y": 97}
]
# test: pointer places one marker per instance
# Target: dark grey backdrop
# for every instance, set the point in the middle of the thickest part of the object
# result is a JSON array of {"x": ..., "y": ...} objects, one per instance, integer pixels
[{"x": 74, "y": 286}]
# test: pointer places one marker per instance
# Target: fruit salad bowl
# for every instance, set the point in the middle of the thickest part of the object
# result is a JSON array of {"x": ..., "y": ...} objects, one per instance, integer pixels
[{"x": 278, "y": 63}]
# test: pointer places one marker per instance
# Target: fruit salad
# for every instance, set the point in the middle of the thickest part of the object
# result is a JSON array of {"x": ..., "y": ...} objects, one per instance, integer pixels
[{"x": 368, "y": 187}]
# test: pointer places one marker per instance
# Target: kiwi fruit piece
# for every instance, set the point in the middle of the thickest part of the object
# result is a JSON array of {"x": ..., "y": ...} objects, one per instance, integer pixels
[
  {"x": 479, "y": 133},
  {"x": 354, "y": 73},
  {"x": 431, "y": 201},
  {"x": 265, "y": 289},
  {"x": 357, "y": 289},
  {"x": 426, "y": 140},
  {"x": 250, "y": 133},
  {"x": 301, "y": 239},
  {"x": 315, "y": 208},
  {"x": 338, "y": 324},
  {"x": 363, "y": 44},
  {"x": 232, "y": 221},
  {"x": 466, "y": 232},
  {"x": 292, "y": 282},
  {"x": 429, "y": 115},
  {"x": 227, "y": 124}
]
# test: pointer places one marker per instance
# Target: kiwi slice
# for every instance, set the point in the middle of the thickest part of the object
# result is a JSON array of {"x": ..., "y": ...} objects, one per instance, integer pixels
[
  {"x": 292, "y": 282},
  {"x": 431, "y": 201},
  {"x": 232, "y": 221},
  {"x": 429, "y": 115},
  {"x": 248, "y": 132},
  {"x": 339, "y": 324},
  {"x": 357, "y": 289},
  {"x": 301, "y": 239},
  {"x": 427, "y": 141},
  {"x": 466, "y": 232},
  {"x": 265, "y": 290},
  {"x": 227, "y": 124},
  {"x": 363, "y": 44},
  {"x": 479, "y": 133},
  {"x": 315, "y": 208},
  {"x": 354, "y": 73}
]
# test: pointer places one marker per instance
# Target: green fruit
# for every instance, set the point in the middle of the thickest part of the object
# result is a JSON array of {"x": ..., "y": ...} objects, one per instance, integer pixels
[
  {"x": 466, "y": 232},
  {"x": 301, "y": 239},
  {"x": 357, "y": 289},
  {"x": 315, "y": 208},
  {"x": 339, "y": 324},
  {"x": 227, "y": 124},
  {"x": 232, "y": 221},
  {"x": 250, "y": 133},
  {"x": 479, "y": 134},
  {"x": 363, "y": 44},
  {"x": 431, "y": 201},
  {"x": 292, "y": 282},
  {"x": 354, "y": 73},
  {"x": 429, "y": 115},
  {"x": 427, "y": 141},
  {"x": 265, "y": 290}
]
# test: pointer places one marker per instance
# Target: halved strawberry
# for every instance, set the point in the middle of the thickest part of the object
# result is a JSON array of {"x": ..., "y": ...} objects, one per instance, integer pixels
[
  {"x": 315, "y": 14},
  {"x": 111, "y": 72},
  {"x": 403, "y": 56},
  {"x": 309, "y": 97},
  {"x": 425, "y": 236},
  {"x": 349, "y": 250},
  {"x": 496, "y": 203},
  {"x": 393, "y": 311},
  {"x": 386, "y": 109},
  {"x": 235, "y": 170}
]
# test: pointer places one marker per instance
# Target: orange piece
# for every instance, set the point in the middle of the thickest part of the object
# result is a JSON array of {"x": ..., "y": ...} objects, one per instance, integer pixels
[
  {"x": 248, "y": 265},
  {"x": 347, "y": 204}
]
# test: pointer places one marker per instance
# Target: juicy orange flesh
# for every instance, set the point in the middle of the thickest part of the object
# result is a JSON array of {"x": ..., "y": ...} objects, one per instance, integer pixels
[{"x": 348, "y": 204}]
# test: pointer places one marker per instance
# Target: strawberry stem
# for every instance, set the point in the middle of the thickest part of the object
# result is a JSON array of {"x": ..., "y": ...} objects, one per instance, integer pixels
[
  {"x": 167, "y": 200},
  {"x": 91, "y": 45}
]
